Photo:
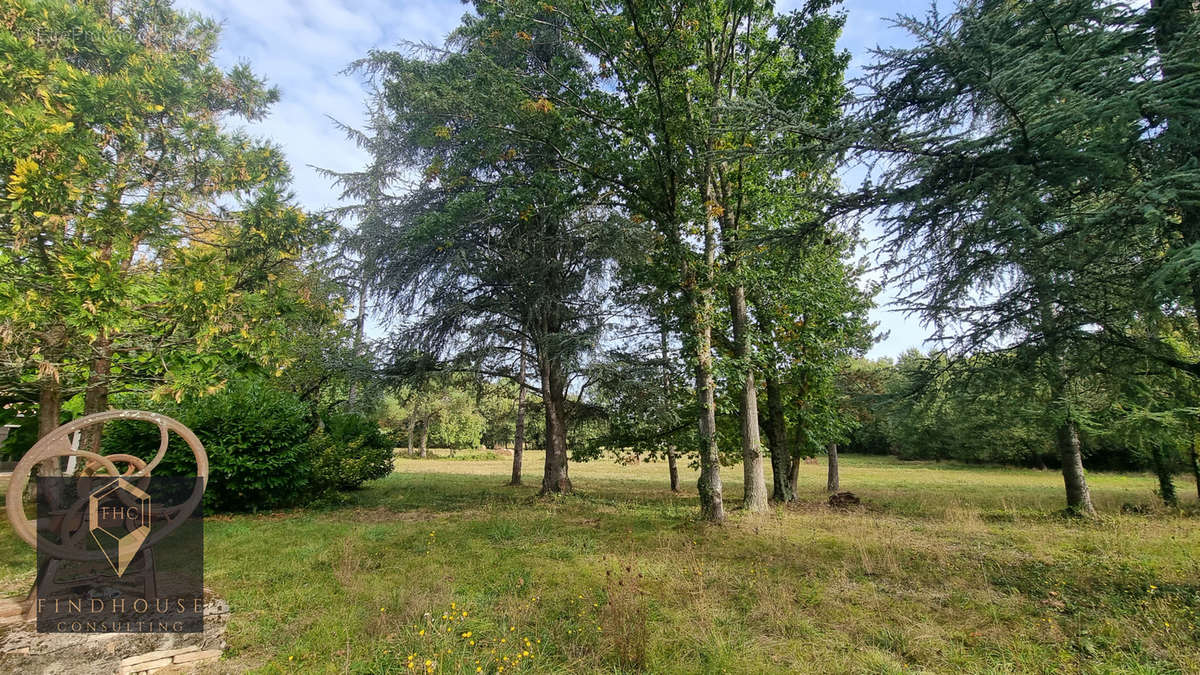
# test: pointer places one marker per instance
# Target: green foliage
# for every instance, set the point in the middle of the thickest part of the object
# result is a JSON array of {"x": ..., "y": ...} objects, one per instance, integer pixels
[
  {"x": 444, "y": 411},
  {"x": 256, "y": 438},
  {"x": 643, "y": 408},
  {"x": 144, "y": 240},
  {"x": 21, "y": 438},
  {"x": 991, "y": 410},
  {"x": 497, "y": 405},
  {"x": 1031, "y": 182},
  {"x": 349, "y": 451}
]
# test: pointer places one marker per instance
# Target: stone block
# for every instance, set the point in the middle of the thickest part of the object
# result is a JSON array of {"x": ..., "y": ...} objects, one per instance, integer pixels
[{"x": 197, "y": 656}]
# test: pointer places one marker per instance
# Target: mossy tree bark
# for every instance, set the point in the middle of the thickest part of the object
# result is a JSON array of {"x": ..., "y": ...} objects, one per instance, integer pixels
[
  {"x": 554, "y": 476},
  {"x": 781, "y": 456},
  {"x": 1162, "y": 469},
  {"x": 712, "y": 506}
]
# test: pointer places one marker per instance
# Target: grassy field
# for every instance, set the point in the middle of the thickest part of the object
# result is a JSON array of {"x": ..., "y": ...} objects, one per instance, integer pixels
[{"x": 943, "y": 568}]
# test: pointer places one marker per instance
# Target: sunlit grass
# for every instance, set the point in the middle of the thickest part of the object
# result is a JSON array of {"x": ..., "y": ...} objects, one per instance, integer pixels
[{"x": 944, "y": 568}]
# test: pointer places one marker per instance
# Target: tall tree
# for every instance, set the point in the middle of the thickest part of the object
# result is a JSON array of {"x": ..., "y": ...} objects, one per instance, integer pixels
[
  {"x": 664, "y": 75},
  {"x": 498, "y": 243},
  {"x": 811, "y": 303},
  {"x": 1006, "y": 133},
  {"x": 121, "y": 260}
]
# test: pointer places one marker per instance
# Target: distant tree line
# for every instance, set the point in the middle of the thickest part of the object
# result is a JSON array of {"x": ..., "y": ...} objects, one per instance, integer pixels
[{"x": 994, "y": 412}]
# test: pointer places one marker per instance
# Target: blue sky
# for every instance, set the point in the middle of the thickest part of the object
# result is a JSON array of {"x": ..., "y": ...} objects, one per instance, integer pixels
[{"x": 302, "y": 47}]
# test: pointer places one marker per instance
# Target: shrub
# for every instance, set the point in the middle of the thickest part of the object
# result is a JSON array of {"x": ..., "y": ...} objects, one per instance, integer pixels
[
  {"x": 256, "y": 438},
  {"x": 21, "y": 438},
  {"x": 348, "y": 452}
]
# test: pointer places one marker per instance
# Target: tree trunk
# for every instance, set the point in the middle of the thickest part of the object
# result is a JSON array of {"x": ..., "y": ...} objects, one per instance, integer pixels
[
  {"x": 712, "y": 505},
  {"x": 794, "y": 468},
  {"x": 519, "y": 435},
  {"x": 781, "y": 456},
  {"x": 554, "y": 474},
  {"x": 424, "y": 439},
  {"x": 95, "y": 399},
  {"x": 49, "y": 411},
  {"x": 700, "y": 290},
  {"x": 359, "y": 322},
  {"x": 664, "y": 353},
  {"x": 1079, "y": 498},
  {"x": 775, "y": 422},
  {"x": 1196, "y": 466},
  {"x": 49, "y": 406},
  {"x": 833, "y": 481},
  {"x": 755, "y": 498},
  {"x": 1162, "y": 469}
]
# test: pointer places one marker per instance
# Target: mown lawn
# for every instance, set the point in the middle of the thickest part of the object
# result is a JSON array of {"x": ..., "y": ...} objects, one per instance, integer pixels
[{"x": 943, "y": 569}]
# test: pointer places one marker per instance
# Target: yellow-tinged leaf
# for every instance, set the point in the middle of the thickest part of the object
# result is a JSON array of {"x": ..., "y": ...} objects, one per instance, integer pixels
[{"x": 198, "y": 286}]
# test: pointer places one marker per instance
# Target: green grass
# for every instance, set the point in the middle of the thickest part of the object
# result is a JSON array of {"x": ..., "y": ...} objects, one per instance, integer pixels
[{"x": 943, "y": 569}]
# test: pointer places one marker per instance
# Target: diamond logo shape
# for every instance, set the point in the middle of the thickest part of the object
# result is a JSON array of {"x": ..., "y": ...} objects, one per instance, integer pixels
[{"x": 119, "y": 521}]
